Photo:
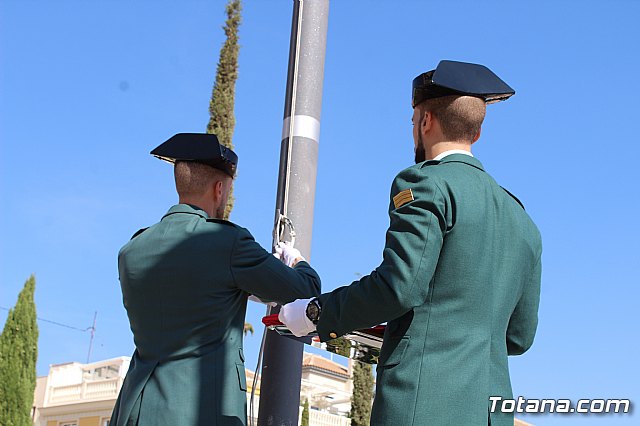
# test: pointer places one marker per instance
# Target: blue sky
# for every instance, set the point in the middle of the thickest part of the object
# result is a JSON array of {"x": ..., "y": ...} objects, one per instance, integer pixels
[{"x": 87, "y": 89}]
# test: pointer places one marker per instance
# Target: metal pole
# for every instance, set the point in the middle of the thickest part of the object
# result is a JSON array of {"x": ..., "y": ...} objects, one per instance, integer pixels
[{"x": 282, "y": 365}]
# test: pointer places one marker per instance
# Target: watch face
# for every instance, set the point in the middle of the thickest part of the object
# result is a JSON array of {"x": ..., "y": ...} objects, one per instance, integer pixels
[{"x": 312, "y": 311}]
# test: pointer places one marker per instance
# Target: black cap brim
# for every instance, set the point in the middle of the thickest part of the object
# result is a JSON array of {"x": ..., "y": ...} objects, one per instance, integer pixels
[
  {"x": 461, "y": 79},
  {"x": 199, "y": 147}
]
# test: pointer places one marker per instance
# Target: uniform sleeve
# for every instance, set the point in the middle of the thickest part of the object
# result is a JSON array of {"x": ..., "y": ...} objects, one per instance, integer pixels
[
  {"x": 401, "y": 282},
  {"x": 524, "y": 319},
  {"x": 258, "y": 272}
]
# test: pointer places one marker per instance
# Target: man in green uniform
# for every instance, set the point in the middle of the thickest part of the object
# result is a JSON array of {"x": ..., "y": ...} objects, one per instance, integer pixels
[
  {"x": 459, "y": 283},
  {"x": 185, "y": 283}
]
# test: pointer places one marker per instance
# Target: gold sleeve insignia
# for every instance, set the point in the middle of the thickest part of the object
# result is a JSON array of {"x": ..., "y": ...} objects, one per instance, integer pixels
[{"x": 402, "y": 198}]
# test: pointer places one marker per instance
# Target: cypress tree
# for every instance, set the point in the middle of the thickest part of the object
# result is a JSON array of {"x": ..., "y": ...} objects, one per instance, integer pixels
[
  {"x": 339, "y": 346},
  {"x": 362, "y": 394},
  {"x": 222, "y": 119},
  {"x": 304, "y": 421},
  {"x": 18, "y": 354}
]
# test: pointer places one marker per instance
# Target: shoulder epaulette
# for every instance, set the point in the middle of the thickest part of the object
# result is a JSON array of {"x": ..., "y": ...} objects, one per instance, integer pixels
[
  {"x": 138, "y": 232},
  {"x": 514, "y": 197}
]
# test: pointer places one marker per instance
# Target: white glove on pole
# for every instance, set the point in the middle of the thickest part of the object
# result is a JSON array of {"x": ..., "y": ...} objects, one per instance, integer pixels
[
  {"x": 288, "y": 254},
  {"x": 294, "y": 316}
]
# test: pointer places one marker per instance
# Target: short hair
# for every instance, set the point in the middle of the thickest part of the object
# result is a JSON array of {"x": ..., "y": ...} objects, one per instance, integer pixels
[
  {"x": 460, "y": 117},
  {"x": 194, "y": 178}
]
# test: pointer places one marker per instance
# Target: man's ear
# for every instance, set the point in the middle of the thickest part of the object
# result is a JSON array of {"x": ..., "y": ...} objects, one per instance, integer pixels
[
  {"x": 477, "y": 136},
  {"x": 426, "y": 122},
  {"x": 217, "y": 189}
]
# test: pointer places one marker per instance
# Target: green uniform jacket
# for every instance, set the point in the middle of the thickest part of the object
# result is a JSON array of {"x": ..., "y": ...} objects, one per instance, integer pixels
[
  {"x": 459, "y": 285},
  {"x": 185, "y": 283}
]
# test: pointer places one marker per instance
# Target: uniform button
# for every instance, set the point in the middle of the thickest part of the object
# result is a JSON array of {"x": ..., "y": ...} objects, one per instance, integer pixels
[{"x": 333, "y": 335}]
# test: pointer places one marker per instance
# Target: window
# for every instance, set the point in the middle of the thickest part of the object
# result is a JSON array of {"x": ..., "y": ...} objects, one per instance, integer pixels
[{"x": 102, "y": 373}]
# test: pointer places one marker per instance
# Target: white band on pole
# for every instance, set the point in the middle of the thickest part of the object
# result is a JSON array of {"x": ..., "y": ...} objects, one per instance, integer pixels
[{"x": 304, "y": 126}]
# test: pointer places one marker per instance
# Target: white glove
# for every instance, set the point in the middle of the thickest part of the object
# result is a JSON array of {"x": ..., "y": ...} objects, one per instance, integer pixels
[
  {"x": 294, "y": 316},
  {"x": 288, "y": 254}
]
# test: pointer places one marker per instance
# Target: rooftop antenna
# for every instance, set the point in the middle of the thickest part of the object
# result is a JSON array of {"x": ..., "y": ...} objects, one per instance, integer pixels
[{"x": 93, "y": 332}]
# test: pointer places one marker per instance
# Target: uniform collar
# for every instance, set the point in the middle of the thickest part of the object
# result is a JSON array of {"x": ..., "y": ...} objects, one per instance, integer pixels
[
  {"x": 452, "y": 151},
  {"x": 463, "y": 158},
  {"x": 187, "y": 208}
]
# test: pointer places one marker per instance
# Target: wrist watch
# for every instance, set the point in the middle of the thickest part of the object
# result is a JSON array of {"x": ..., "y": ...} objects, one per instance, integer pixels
[{"x": 314, "y": 310}]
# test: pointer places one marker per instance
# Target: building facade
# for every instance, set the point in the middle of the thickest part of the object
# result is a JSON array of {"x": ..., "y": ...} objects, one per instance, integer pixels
[{"x": 75, "y": 394}]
